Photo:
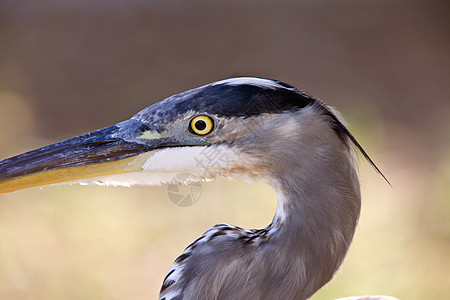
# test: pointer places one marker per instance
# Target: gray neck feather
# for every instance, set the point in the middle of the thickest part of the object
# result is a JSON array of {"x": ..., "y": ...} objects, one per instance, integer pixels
[
  {"x": 318, "y": 226},
  {"x": 319, "y": 203}
]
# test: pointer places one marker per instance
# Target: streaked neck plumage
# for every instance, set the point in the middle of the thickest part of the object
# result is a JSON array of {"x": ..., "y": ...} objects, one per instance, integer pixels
[
  {"x": 318, "y": 202},
  {"x": 315, "y": 223}
]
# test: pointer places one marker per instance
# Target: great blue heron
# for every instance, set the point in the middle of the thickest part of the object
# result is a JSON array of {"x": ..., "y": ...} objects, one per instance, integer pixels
[{"x": 266, "y": 130}]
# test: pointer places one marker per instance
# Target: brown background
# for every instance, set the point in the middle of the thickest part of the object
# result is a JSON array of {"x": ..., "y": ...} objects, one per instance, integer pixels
[{"x": 68, "y": 67}]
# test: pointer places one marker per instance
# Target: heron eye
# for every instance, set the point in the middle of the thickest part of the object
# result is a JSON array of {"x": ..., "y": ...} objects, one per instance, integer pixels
[{"x": 201, "y": 125}]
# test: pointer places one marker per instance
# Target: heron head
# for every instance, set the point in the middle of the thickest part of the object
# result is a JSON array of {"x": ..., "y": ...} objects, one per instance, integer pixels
[{"x": 242, "y": 126}]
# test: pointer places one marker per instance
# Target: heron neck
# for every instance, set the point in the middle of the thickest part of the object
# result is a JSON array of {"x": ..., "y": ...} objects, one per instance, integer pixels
[{"x": 316, "y": 219}]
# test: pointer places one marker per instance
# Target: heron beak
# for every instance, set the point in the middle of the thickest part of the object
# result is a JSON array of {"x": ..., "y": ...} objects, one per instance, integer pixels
[{"x": 120, "y": 148}]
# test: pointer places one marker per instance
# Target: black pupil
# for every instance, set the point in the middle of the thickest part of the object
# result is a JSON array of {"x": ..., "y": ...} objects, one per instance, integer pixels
[{"x": 200, "y": 125}]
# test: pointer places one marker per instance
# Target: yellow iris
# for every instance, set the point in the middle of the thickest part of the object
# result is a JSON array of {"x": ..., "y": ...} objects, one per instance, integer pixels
[{"x": 201, "y": 125}]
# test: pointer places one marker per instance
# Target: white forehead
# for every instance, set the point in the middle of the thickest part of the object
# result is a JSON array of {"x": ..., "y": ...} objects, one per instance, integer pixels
[{"x": 260, "y": 82}]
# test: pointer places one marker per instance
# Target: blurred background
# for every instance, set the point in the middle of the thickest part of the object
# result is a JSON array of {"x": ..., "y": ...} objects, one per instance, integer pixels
[{"x": 68, "y": 67}]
